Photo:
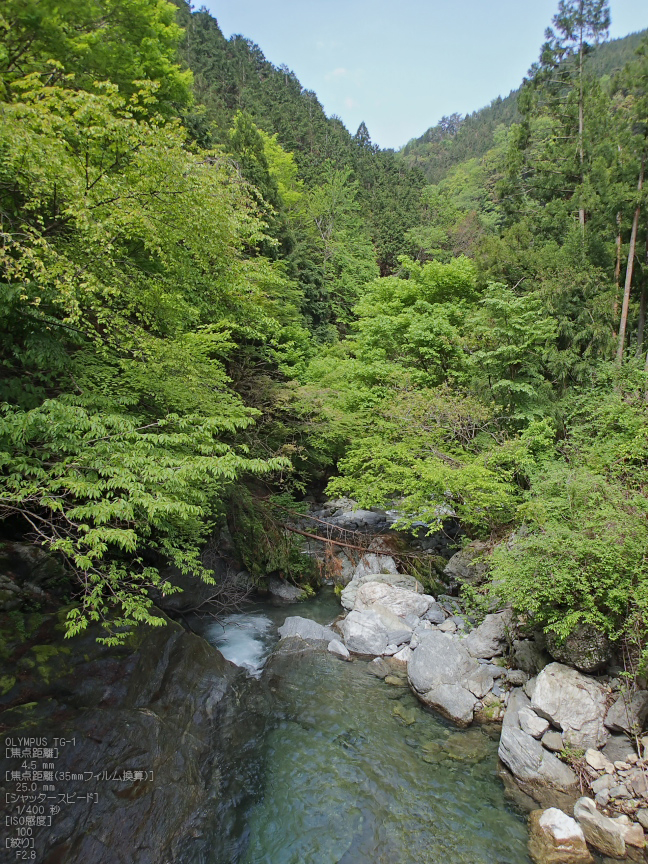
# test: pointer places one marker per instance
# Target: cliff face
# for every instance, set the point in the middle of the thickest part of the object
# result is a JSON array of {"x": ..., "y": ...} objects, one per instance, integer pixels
[{"x": 140, "y": 722}]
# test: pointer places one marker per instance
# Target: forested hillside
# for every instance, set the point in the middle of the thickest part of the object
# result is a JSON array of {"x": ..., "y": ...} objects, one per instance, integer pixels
[
  {"x": 458, "y": 138},
  {"x": 216, "y": 300}
]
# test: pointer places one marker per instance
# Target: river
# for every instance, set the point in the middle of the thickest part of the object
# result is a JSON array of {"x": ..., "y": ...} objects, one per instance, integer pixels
[{"x": 326, "y": 764}]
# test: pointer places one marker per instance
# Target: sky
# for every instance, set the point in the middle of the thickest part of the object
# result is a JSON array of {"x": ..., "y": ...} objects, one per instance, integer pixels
[{"x": 400, "y": 65}]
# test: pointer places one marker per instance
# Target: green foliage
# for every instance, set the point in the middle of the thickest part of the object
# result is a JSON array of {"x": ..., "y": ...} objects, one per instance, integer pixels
[
  {"x": 581, "y": 553},
  {"x": 264, "y": 545},
  {"x": 125, "y": 42}
]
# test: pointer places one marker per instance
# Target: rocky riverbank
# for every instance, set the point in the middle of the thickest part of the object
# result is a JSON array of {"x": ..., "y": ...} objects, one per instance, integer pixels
[{"x": 567, "y": 739}]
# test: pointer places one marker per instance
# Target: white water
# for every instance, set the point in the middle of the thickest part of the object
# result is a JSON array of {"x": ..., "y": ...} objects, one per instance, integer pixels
[{"x": 245, "y": 640}]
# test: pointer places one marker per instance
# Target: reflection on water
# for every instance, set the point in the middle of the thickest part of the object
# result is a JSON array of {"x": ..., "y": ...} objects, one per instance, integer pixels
[{"x": 325, "y": 766}]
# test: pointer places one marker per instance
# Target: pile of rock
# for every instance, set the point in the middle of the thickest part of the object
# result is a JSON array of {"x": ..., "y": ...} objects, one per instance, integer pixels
[
  {"x": 448, "y": 669},
  {"x": 557, "y": 838},
  {"x": 553, "y": 722}
]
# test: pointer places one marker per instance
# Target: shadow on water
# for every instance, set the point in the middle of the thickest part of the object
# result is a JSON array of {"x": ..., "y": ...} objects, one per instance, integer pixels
[{"x": 325, "y": 764}]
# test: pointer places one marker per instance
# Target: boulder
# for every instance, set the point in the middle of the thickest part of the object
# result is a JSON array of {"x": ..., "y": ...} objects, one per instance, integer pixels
[
  {"x": 285, "y": 592},
  {"x": 573, "y": 703},
  {"x": 618, "y": 748},
  {"x": 628, "y": 713},
  {"x": 532, "y": 724},
  {"x": 438, "y": 670},
  {"x": 596, "y": 760},
  {"x": 396, "y": 580},
  {"x": 435, "y": 614},
  {"x": 340, "y": 650},
  {"x": 605, "y": 835},
  {"x": 448, "y": 626},
  {"x": 556, "y": 838},
  {"x": 463, "y": 567},
  {"x": 586, "y": 648},
  {"x": 489, "y": 639},
  {"x": 309, "y": 631},
  {"x": 398, "y": 632},
  {"x": 364, "y": 633},
  {"x": 399, "y": 601},
  {"x": 479, "y": 682},
  {"x": 529, "y": 656},
  {"x": 553, "y": 741},
  {"x": 524, "y": 756},
  {"x": 403, "y": 656},
  {"x": 372, "y": 563}
]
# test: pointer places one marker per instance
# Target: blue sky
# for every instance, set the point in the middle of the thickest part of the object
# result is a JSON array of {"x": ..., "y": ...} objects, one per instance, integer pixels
[{"x": 400, "y": 65}]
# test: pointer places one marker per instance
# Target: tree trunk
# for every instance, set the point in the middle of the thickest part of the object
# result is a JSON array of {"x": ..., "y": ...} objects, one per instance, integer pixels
[
  {"x": 642, "y": 323},
  {"x": 629, "y": 269},
  {"x": 581, "y": 126},
  {"x": 617, "y": 266},
  {"x": 642, "y": 308}
]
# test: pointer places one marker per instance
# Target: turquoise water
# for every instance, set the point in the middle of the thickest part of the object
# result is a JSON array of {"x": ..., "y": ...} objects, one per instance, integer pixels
[{"x": 329, "y": 765}]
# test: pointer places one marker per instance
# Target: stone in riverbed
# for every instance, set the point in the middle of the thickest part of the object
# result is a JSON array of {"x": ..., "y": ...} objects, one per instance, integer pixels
[
  {"x": 437, "y": 671},
  {"x": 371, "y": 563},
  {"x": 532, "y": 724},
  {"x": 618, "y": 748},
  {"x": 596, "y": 760},
  {"x": 285, "y": 592},
  {"x": 340, "y": 650},
  {"x": 399, "y": 601},
  {"x": 489, "y": 639},
  {"x": 552, "y": 741},
  {"x": 524, "y": 756},
  {"x": 309, "y": 631},
  {"x": 435, "y": 614},
  {"x": 556, "y": 838},
  {"x": 479, "y": 682},
  {"x": 364, "y": 633},
  {"x": 398, "y": 632},
  {"x": 403, "y": 655},
  {"x": 573, "y": 703},
  {"x": 396, "y": 580},
  {"x": 604, "y": 834}
]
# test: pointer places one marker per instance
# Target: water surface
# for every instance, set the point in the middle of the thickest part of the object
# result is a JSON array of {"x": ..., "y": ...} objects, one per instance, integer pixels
[{"x": 327, "y": 764}]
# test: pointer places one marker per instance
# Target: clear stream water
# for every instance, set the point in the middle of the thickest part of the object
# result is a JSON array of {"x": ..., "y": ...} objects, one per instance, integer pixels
[{"x": 327, "y": 764}]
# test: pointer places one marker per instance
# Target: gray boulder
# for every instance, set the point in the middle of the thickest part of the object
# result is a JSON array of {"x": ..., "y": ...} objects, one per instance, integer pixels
[
  {"x": 532, "y": 724},
  {"x": 309, "y": 631},
  {"x": 285, "y": 592},
  {"x": 338, "y": 649},
  {"x": 398, "y": 631},
  {"x": 528, "y": 760},
  {"x": 529, "y": 656},
  {"x": 435, "y": 614},
  {"x": 438, "y": 671},
  {"x": 524, "y": 756},
  {"x": 364, "y": 633},
  {"x": 464, "y": 568},
  {"x": 479, "y": 682},
  {"x": 572, "y": 702},
  {"x": 618, "y": 748},
  {"x": 604, "y": 834},
  {"x": 396, "y": 580},
  {"x": 628, "y": 713},
  {"x": 586, "y": 648},
  {"x": 373, "y": 563},
  {"x": 400, "y": 601},
  {"x": 490, "y": 638}
]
